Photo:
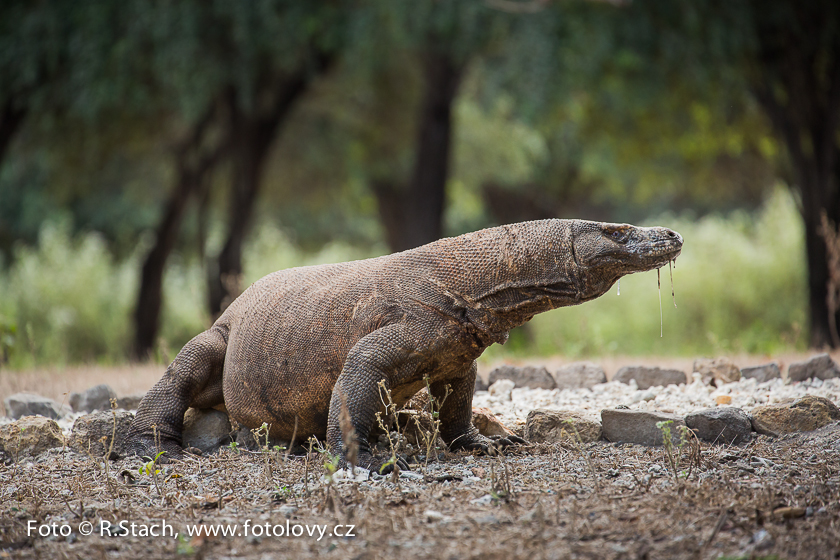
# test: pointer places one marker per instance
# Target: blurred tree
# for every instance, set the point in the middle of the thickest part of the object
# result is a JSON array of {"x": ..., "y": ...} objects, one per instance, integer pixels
[
  {"x": 256, "y": 61},
  {"x": 194, "y": 161},
  {"x": 634, "y": 121},
  {"x": 794, "y": 73},
  {"x": 439, "y": 40}
]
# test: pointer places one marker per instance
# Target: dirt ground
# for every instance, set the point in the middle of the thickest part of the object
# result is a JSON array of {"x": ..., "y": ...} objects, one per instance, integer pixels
[{"x": 772, "y": 498}]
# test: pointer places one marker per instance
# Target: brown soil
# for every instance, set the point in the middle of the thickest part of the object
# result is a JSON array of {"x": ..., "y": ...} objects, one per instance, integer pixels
[
  {"x": 773, "y": 498},
  {"x": 562, "y": 501}
]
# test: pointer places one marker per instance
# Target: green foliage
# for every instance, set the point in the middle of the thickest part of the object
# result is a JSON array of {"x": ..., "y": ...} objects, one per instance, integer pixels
[
  {"x": 740, "y": 287},
  {"x": 68, "y": 299}
]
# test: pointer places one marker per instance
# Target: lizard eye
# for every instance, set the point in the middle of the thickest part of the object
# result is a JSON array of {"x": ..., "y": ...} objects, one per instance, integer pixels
[{"x": 619, "y": 236}]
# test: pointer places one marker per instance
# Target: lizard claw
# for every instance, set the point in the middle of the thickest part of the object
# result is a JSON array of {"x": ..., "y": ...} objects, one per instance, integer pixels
[
  {"x": 508, "y": 440},
  {"x": 488, "y": 445},
  {"x": 382, "y": 465}
]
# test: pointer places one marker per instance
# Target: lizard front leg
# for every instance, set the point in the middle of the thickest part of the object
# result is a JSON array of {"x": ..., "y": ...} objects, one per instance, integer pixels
[
  {"x": 385, "y": 355},
  {"x": 456, "y": 427}
]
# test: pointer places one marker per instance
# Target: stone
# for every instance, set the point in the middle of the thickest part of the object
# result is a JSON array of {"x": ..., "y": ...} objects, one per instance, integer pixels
[
  {"x": 206, "y": 429},
  {"x": 789, "y": 512},
  {"x": 488, "y": 424},
  {"x": 717, "y": 371},
  {"x": 726, "y": 425},
  {"x": 501, "y": 388},
  {"x": 553, "y": 426},
  {"x": 480, "y": 384},
  {"x": 30, "y": 435},
  {"x": 723, "y": 399},
  {"x": 90, "y": 429},
  {"x": 803, "y": 415},
  {"x": 433, "y": 516},
  {"x": 29, "y": 404},
  {"x": 93, "y": 399},
  {"x": 647, "y": 377},
  {"x": 637, "y": 426},
  {"x": 820, "y": 366},
  {"x": 130, "y": 402},
  {"x": 762, "y": 373},
  {"x": 579, "y": 375},
  {"x": 530, "y": 377}
]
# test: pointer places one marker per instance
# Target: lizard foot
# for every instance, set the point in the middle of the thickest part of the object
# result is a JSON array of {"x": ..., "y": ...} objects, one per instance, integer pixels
[
  {"x": 486, "y": 445},
  {"x": 145, "y": 447},
  {"x": 378, "y": 464}
]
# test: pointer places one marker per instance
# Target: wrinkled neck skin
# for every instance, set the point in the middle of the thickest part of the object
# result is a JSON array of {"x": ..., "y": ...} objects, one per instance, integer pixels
[{"x": 499, "y": 278}]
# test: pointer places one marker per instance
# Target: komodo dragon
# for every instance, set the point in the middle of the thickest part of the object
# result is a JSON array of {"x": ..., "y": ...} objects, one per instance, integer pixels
[{"x": 287, "y": 349}]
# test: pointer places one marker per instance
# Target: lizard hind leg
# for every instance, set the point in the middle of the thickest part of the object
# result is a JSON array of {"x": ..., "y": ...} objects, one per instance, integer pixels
[{"x": 194, "y": 379}]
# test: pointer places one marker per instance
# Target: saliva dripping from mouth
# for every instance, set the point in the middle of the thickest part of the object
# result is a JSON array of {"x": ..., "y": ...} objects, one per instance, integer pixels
[
  {"x": 671, "y": 272},
  {"x": 659, "y": 289}
]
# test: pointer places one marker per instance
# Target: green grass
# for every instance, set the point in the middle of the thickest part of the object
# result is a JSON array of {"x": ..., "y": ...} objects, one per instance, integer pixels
[{"x": 740, "y": 286}]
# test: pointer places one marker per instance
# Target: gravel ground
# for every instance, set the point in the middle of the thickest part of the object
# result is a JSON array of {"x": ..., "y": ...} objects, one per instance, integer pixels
[
  {"x": 769, "y": 499},
  {"x": 772, "y": 498},
  {"x": 513, "y": 407}
]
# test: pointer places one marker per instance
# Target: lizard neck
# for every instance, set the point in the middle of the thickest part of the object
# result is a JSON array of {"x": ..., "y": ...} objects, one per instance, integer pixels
[{"x": 499, "y": 278}]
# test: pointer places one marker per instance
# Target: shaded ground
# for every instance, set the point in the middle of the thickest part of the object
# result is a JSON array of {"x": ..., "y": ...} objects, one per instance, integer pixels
[{"x": 599, "y": 500}]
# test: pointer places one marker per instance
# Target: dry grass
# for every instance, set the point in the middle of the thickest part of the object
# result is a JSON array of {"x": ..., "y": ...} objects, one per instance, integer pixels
[
  {"x": 598, "y": 500},
  {"x": 725, "y": 509}
]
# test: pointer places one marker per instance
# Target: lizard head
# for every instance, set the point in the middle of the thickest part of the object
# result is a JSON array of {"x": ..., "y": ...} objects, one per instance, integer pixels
[{"x": 606, "y": 252}]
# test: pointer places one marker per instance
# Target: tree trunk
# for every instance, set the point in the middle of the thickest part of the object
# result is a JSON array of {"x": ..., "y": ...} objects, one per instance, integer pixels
[
  {"x": 192, "y": 167},
  {"x": 11, "y": 118},
  {"x": 392, "y": 210},
  {"x": 414, "y": 216},
  {"x": 251, "y": 136},
  {"x": 797, "y": 83}
]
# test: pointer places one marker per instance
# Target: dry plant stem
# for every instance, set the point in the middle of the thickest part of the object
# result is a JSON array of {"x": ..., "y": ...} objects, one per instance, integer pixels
[
  {"x": 107, "y": 458},
  {"x": 306, "y": 468},
  {"x": 831, "y": 234},
  {"x": 391, "y": 414},
  {"x": 292, "y": 442},
  {"x": 434, "y": 410},
  {"x": 263, "y": 431},
  {"x": 348, "y": 435},
  {"x": 578, "y": 443},
  {"x": 155, "y": 460}
]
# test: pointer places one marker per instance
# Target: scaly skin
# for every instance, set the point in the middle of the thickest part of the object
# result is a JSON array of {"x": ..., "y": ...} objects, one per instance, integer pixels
[{"x": 297, "y": 339}]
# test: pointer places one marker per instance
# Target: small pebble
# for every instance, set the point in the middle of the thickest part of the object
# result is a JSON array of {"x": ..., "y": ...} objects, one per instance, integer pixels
[
  {"x": 789, "y": 512},
  {"x": 432, "y": 516}
]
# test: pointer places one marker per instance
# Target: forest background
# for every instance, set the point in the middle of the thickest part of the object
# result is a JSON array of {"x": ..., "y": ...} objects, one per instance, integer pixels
[{"x": 157, "y": 157}]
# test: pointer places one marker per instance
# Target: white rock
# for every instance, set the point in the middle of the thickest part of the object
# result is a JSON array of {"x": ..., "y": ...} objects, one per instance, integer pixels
[
  {"x": 343, "y": 475},
  {"x": 485, "y": 500},
  {"x": 503, "y": 389}
]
